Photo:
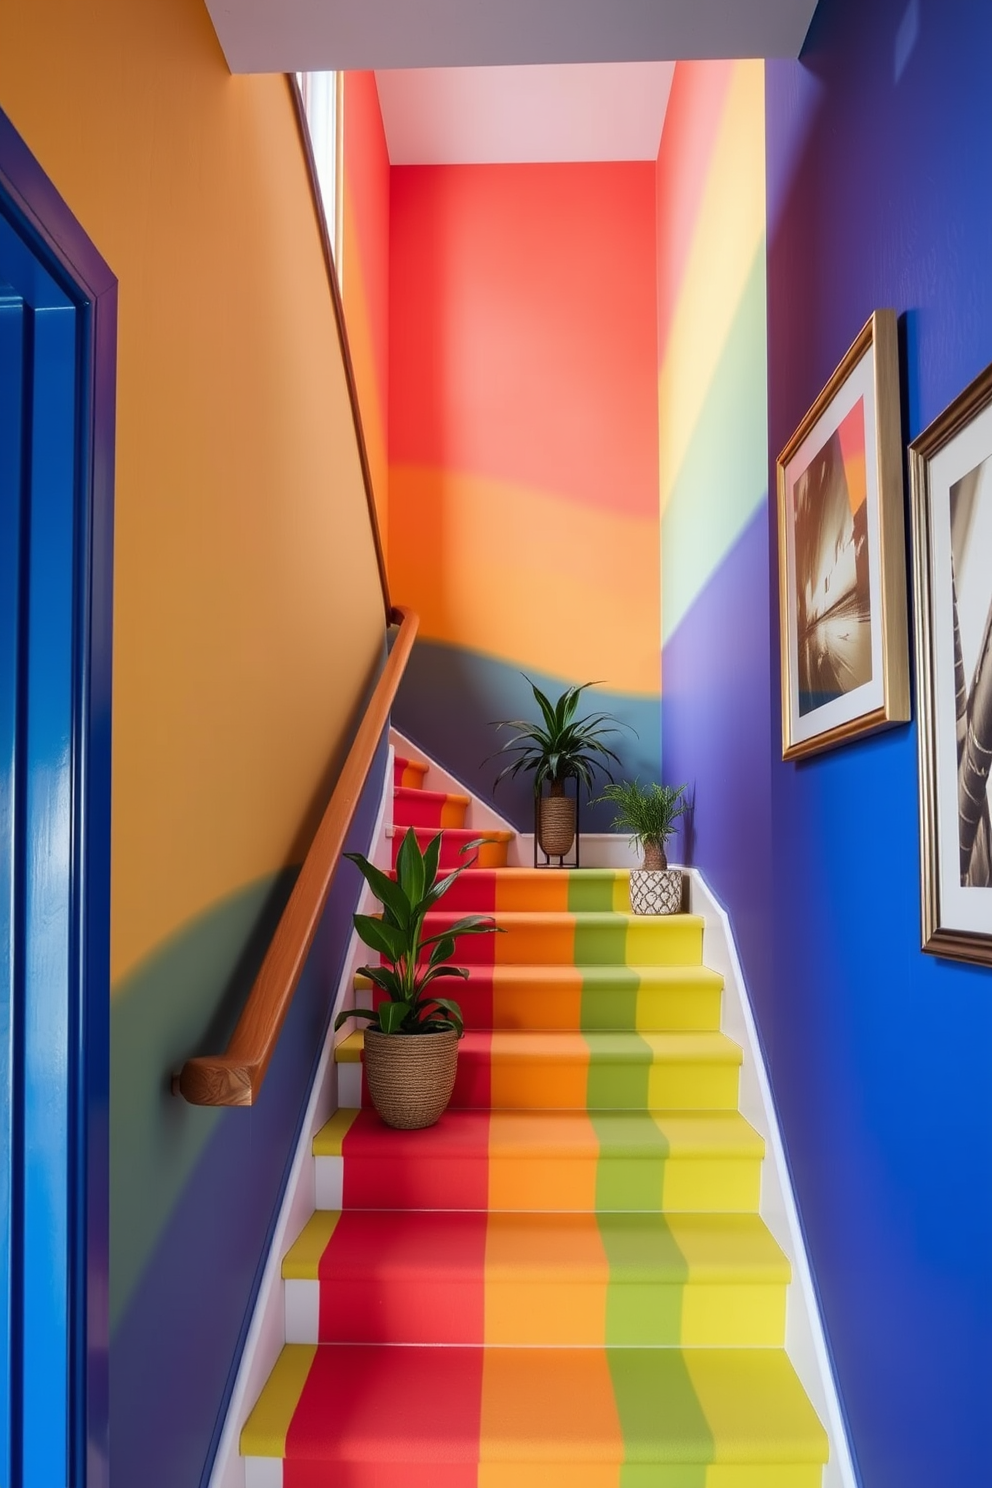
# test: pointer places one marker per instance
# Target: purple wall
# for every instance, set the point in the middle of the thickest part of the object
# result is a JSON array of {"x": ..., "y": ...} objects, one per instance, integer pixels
[
  {"x": 176, "y": 1351},
  {"x": 879, "y": 193}
]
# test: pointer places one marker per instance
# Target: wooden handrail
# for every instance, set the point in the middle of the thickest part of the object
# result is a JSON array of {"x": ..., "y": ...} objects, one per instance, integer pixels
[{"x": 235, "y": 1077}]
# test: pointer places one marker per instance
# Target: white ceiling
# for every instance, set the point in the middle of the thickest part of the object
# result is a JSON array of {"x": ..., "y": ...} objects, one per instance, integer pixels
[
  {"x": 484, "y": 115},
  {"x": 325, "y": 35}
]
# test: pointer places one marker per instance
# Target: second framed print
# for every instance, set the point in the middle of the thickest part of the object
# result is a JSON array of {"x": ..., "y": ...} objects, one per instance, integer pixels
[
  {"x": 842, "y": 554},
  {"x": 951, "y": 465}
]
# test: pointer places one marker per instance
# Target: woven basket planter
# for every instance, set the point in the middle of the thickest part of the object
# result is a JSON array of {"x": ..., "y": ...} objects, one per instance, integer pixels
[
  {"x": 410, "y": 1076},
  {"x": 655, "y": 891},
  {"x": 556, "y": 825}
]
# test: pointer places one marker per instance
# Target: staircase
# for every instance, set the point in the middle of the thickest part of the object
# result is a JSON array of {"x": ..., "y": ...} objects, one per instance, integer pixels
[{"x": 565, "y": 1283}]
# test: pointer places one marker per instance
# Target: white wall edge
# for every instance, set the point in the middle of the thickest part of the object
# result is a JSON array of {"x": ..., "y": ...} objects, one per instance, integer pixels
[
  {"x": 597, "y": 849},
  {"x": 267, "y": 1330},
  {"x": 480, "y": 815},
  {"x": 805, "y": 1340}
]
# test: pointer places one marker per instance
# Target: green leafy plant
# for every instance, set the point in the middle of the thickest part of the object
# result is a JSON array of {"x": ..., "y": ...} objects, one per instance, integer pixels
[
  {"x": 560, "y": 745},
  {"x": 415, "y": 960},
  {"x": 648, "y": 813}
]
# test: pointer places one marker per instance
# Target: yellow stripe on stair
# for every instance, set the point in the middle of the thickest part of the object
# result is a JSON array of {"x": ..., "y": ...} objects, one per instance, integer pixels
[
  {"x": 329, "y": 1141},
  {"x": 302, "y": 1259},
  {"x": 265, "y": 1431},
  {"x": 350, "y": 1049}
]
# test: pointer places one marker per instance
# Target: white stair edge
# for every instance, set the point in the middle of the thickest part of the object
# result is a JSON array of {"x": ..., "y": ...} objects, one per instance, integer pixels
[
  {"x": 267, "y": 1330},
  {"x": 805, "y": 1339},
  {"x": 480, "y": 816}
]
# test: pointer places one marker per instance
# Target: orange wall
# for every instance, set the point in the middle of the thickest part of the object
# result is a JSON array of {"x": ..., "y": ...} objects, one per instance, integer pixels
[
  {"x": 364, "y": 264},
  {"x": 523, "y": 424},
  {"x": 243, "y": 552}
]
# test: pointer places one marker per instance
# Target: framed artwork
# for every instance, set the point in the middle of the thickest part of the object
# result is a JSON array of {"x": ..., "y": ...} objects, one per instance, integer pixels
[
  {"x": 951, "y": 468},
  {"x": 842, "y": 554}
]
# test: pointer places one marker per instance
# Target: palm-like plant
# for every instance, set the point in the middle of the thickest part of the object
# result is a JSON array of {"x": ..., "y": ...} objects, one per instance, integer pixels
[
  {"x": 648, "y": 813},
  {"x": 561, "y": 745},
  {"x": 415, "y": 960}
]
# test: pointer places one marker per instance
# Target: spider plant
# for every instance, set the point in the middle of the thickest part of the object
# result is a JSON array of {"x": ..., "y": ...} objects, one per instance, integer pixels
[
  {"x": 560, "y": 745},
  {"x": 648, "y": 813},
  {"x": 415, "y": 961}
]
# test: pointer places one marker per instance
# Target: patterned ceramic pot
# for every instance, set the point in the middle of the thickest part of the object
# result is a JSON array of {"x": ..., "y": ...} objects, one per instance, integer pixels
[{"x": 655, "y": 891}]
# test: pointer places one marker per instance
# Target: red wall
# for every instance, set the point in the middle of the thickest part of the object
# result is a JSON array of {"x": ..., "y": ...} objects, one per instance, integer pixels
[{"x": 523, "y": 437}]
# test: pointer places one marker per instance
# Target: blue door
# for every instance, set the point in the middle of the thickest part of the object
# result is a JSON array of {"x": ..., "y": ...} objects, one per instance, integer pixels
[{"x": 56, "y": 372}]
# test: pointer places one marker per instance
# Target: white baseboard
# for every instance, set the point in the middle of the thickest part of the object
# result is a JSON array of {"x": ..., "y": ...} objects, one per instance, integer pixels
[
  {"x": 596, "y": 850},
  {"x": 805, "y": 1340},
  {"x": 267, "y": 1330}
]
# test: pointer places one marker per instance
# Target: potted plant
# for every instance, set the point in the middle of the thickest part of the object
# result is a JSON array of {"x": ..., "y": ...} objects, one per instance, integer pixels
[
  {"x": 411, "y": 1038},
  {"x": 558, "y": 748},
  {"x": 649, "y": 814}
]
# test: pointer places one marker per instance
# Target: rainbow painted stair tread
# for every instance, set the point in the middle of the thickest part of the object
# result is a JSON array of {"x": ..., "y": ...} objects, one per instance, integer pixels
[{"x": 566, "y": 1282}]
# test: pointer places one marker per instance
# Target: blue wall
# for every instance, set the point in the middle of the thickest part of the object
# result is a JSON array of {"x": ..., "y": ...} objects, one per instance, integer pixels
[{"x": 879, "y": 193}]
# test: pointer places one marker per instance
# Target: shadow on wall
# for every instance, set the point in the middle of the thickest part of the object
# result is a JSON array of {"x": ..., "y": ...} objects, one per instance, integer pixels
[{"x": 450, "y": 697}]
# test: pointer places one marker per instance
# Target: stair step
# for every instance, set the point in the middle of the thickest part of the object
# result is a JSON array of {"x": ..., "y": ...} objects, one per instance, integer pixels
[
  {"x": 512, "y": 1070},
  {"x": 542, "y": 1161},
  {"x": 409, "y": 773},
  {"x": 425, "y": 808},
  {"x": 581, "y": 939},
  {"x": 491, "y": 853},
  {"x": 549, "y": 1280},
  {"x": 485, "y": 891},
  {"x": 536, "y": 1418},
  {"x": 647, "y": 998},
  {"x": 564, "y": 1283}
]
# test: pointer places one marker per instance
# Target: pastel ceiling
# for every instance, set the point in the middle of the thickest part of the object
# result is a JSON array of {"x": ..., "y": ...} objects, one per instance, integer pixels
[
  {"x": 316, "y": 35},
  {"x": 485, "y": 115}
]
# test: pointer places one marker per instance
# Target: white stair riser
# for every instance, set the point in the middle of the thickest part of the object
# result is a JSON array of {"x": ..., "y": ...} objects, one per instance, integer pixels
[
  {"x": 263, "y": 1472},
  {"x": 302, "y": 1310},
  {"x": 349, "y": 1086}
]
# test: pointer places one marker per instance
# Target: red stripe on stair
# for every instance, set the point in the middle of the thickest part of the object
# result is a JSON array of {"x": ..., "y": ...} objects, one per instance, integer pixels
[
  {"x": 369, "y": 1415},
  {"x": 420, "y": 1279},
  {"x": 443, "y": 1167},
  {"x": 474, "y": 892}
]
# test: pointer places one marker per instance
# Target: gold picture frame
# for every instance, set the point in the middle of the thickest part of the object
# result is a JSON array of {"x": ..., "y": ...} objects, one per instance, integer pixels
[
  {"x": 951, "y": 484},
  {"x": 842, "y": 554}
]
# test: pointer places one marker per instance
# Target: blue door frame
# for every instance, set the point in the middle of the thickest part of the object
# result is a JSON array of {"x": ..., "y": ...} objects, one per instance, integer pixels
[{"x": 58, "y": 331}]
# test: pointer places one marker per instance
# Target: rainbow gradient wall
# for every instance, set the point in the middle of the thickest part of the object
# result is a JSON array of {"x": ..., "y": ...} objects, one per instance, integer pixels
[
  {"x": 711, "y": 323},
  {"x": 523, "y": 452},
  {"x": 713, "y": 441}
]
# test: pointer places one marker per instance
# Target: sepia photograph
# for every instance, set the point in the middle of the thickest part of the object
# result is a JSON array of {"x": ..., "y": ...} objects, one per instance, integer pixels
[
  {"x": 833, "y": 597},
  {"x": 971, "y": 545},
  {"x": 842, "y": 553}
]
